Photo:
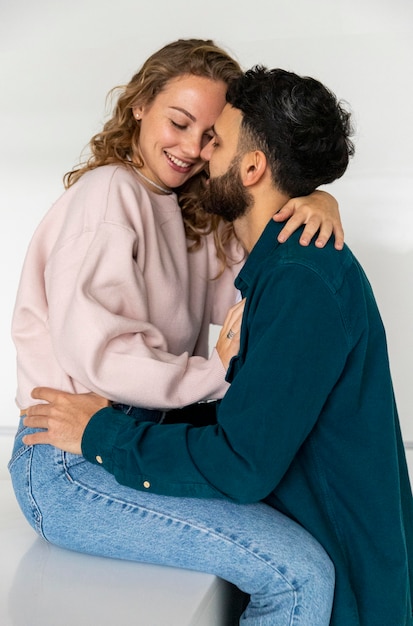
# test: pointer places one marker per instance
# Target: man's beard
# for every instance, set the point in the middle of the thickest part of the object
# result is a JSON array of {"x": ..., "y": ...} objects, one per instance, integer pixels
[{"x": 226, "y": 195}]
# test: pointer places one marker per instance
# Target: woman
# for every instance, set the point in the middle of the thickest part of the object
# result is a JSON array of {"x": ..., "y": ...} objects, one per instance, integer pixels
[
  {"x": 120, "y": 284},
  {"x": 108, "y": 267}
]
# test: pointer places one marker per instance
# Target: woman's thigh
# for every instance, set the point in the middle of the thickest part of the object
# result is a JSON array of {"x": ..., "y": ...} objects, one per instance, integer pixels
[{"x": 80, "y": 506}]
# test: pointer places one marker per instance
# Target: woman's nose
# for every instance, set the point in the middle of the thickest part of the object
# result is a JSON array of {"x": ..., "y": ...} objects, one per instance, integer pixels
[{"x": 192, "y": 147}]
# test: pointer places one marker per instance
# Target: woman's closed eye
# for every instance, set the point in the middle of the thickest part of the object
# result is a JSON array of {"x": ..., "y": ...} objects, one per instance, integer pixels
[{"x": 180, "y": 126}]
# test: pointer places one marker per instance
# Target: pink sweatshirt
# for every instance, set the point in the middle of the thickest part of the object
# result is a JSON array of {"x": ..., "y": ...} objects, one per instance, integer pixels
[{"x": 111, "y": 301}]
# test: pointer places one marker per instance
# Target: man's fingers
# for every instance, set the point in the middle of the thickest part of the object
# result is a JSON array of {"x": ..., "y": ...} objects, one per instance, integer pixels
[
  {"x": 35, "y": 438},
  {"x": 35, "y": 421},
  {"x": 37, "y": 410},
  {"x": 44, "y": 393}
]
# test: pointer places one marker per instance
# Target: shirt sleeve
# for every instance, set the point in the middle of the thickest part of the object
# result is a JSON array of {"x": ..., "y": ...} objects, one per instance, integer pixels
[{"x": 297, "y": 348}]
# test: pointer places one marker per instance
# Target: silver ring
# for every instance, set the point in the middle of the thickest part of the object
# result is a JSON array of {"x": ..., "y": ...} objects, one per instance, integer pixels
[{"x": 230, "y": 334}]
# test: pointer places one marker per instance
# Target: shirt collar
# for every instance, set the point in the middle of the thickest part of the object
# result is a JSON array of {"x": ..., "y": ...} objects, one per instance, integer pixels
[{"x": 264, "y": 246}]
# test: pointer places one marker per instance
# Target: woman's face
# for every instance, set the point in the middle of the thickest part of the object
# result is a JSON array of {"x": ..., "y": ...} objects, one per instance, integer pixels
[{"x": 176, "y": 126}]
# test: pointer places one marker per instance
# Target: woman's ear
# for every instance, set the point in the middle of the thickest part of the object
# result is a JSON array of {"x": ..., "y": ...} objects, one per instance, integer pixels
[
  {"x": 137, "y": 112},
  {"x": 253, "y": 167}
]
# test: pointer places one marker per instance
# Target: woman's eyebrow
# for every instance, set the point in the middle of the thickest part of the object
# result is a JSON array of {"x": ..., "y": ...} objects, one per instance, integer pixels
[{"x": 185, "y": 112}]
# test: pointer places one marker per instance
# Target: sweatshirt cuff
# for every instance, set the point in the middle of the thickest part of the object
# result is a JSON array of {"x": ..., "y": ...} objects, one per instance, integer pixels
[{"x": 100, "y": 435}]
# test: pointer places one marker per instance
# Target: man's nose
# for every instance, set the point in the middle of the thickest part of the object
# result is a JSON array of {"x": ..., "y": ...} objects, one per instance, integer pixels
[{"x": 207, "y": 151}]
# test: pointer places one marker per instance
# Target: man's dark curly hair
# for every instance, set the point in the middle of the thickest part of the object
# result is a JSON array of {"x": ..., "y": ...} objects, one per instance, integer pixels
[{"x": 299, "y": 125}]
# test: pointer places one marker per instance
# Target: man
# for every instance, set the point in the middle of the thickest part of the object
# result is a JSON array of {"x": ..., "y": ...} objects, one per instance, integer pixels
[{"x": 309, "y": 424}]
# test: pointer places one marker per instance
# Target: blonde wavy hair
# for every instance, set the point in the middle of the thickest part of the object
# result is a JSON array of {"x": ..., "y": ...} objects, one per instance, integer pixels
[{"x": 119, "y": 138}]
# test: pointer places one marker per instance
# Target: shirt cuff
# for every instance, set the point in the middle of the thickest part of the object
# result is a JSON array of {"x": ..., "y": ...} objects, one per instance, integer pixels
[{"x": 100, "y": 435}]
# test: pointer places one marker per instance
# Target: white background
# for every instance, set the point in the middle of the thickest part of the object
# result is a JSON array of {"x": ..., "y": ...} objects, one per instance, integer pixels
[{"x": 58, "y": 60}]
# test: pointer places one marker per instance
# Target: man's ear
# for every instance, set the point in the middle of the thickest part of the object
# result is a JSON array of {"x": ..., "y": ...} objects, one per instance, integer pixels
[{"x": 253, "y": 167}]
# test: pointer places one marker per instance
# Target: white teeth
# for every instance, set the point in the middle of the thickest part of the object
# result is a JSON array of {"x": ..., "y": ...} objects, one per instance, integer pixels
[{"x": 178, "y": 162}]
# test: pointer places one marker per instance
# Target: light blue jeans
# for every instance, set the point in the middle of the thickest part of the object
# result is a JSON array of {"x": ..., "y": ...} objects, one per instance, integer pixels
[{"x": 77, "y": 505}]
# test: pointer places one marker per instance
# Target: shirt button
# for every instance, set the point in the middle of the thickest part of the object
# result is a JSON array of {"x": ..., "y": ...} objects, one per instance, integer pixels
[
  {"x": 99, "y": 459},
  {"x": 146, "y": 484}
]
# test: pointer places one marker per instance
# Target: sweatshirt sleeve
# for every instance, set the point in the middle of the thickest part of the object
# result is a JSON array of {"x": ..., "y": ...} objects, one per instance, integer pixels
[
  {"x": 99, "y": 320},
  {"x": 297, "y": 349}
]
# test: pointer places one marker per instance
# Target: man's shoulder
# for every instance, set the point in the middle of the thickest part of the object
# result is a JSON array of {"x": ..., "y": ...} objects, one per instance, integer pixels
[
  {"x": 269, "y": 258},
  {"x": 329, "y": 264}
]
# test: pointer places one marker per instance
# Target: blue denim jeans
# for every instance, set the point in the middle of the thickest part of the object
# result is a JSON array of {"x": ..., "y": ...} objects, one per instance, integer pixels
[{"x": 77, "y": 505}]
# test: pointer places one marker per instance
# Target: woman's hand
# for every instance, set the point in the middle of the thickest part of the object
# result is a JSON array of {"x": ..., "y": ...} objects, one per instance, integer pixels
[
  {"x": 319, "y": 212},
  {"x": 229, "y": 337}
]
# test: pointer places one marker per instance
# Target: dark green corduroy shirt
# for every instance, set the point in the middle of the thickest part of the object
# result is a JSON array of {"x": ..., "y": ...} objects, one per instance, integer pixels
[{"x": 309, "y": 425}]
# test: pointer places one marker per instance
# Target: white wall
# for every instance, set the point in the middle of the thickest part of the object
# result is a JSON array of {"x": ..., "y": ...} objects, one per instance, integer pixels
[{"x": 59, "y": 60}]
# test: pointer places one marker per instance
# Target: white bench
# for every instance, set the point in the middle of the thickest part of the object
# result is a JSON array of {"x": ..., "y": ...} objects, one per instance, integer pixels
[{"x": 42, "y": 585}]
